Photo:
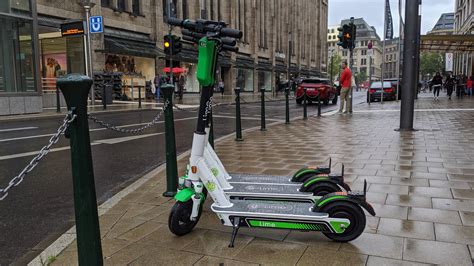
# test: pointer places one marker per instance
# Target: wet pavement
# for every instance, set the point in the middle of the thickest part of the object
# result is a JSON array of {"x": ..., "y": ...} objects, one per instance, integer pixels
[
  {"x": 41, "y": 208},
  {"x": 420, "y": 183}
]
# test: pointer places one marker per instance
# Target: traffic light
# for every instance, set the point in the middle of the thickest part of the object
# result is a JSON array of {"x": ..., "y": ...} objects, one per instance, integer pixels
[
  {"x": 342, "y": 41},
  {"x": 351, "y": 36},
  {"x": 172, "y": 44}
]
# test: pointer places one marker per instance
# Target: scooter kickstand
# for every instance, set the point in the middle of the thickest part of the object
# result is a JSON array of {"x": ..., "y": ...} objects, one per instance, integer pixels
[{"x": 235, "y": 229}]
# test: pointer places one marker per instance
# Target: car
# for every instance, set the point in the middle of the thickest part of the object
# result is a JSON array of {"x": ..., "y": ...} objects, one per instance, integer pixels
[
  {"x": 394, "y": 83},
  {"x": 375, "y": 91},
  {"x": 315, "y": 87}
]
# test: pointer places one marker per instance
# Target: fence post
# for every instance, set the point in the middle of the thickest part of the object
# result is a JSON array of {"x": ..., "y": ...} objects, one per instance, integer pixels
[
  {"x": 75, "y": 89},
  {"x": 171, "y": 163},
  {"x": 262, "y": 111},
  {"x": 305, "y": 105},
  {"x": 104, "y": 97},
  {"x": 319, "y": 104},
  {"x": 287, "y": 105},
  {"x": 58, "y": 101},
  {"x": 238, "y": 122}
]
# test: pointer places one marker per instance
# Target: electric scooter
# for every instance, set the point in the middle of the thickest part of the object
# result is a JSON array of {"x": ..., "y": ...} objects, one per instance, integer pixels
[{"x": 337, "y": 215}]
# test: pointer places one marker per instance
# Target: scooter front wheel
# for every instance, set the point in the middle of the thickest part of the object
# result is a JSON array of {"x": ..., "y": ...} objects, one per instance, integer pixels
[
  {"x": 350, "y": 211},
  {"x": 179, "y": 221}
]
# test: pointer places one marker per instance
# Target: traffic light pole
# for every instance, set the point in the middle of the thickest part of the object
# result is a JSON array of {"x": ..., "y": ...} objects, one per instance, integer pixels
[
  {"x": 351, "y": 57},
  {"x": 171, "y": 44}
]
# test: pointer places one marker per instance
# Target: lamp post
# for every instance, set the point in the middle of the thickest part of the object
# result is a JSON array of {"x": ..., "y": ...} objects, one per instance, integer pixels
[{"x": 88, "y": 5}]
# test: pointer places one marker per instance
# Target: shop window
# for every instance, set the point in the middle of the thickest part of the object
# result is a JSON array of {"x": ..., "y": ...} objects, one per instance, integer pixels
[
  {"x": 105, "y": 3},
  {"x": 17, "y": 62},
  {"x": 265, "y": 80},
  {"x": 121, "y": 5},
  {"x": 244, "y": 79},
  {"x": 17, "y": 6},
  {"x": 136, "y": 7}
]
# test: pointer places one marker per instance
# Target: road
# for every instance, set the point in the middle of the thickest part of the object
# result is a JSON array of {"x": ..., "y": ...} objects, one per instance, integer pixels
[{"x": 41, "y": 208}]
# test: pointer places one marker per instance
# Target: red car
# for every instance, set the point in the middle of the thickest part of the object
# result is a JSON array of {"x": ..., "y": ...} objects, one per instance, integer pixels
[{"x": 315, "y": 87}]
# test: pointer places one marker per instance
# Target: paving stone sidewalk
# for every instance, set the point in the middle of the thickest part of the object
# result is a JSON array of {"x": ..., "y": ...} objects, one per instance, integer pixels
[{"x": 421, "y": 185}]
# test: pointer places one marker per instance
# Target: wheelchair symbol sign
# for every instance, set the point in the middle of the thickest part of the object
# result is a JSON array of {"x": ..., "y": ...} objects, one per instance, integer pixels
[{"x": 96, "y": 24}]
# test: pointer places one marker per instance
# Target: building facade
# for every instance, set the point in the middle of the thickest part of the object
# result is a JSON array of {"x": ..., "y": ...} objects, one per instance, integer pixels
[
  {"x": 361, "y": 59},
  {"x": 132, "y": 43},
  {"x": 392, "y": 58},
  {"x": 445, "y": 25},
  {"x": 464, "y": 25}
]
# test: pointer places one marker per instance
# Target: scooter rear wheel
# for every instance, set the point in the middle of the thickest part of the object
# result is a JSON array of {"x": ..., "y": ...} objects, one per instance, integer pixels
[
  {"x": 179, "y": 221},
  {"x": 323, "y": 188},
  {"x": 350, "y": 211}
]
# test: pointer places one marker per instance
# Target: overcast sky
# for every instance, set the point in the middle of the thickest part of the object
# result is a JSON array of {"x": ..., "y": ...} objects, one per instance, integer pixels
[{"x": 372, "y": 12}]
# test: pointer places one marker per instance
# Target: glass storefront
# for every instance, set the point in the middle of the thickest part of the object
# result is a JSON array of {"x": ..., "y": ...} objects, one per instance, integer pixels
[
  {"x": 17, "y": 62},
  {"x": 130, "y": 65},
  {"x": 244, "y": 79},
  {"x": 192, "y": 84},
  {"x": 265, "y": 80}
]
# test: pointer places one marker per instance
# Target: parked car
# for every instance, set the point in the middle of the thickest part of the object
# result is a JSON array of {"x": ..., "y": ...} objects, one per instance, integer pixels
[
  {"x": 315, "y": 87},
  {"x": 394, "y": 83},
  {"x": 375, "y": 91}
]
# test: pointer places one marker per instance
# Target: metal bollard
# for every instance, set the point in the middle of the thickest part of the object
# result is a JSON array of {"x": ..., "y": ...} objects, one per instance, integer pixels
[
  {"x": 238, "y": 122},
  {"x": 287, "y": 105},
  {"x": 305, "y": 106},
  {"x": 75, "y": 89},
  {"x": 104, "y": 97},
  {"x": 58, "y": 101},
  {"x": 211, "y": 129},
  {"x": 319, "y": 104},
  {"x": 171, "y": 163},
  {"x": 139, "y": 97},
  {"x": 262, "y": 111}
]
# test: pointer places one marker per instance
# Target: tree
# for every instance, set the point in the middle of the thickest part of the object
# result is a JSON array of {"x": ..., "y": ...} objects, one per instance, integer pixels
[
  {"x": 430, "y": 63},
  {"x": 334, "y": 66},
  {"x": 360, "y": 77}
]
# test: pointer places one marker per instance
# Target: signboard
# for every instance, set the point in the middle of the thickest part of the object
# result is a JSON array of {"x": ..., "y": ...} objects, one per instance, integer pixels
[
  {"x": 370, "y": 52},
  {"x": 449, "y": 62},
  {"x": 72, "y": 28},
  {"x": 96, "y": 24}
]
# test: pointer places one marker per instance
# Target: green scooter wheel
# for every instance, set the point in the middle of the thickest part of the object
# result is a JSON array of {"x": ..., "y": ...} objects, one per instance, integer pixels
[
  {"x": 323, "y": 188},
  {"x": 350, "y": 211},
  {"x": 179, "y": 221}
]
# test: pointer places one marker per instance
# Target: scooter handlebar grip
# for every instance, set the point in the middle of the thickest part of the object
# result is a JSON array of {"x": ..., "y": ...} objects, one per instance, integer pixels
[
  {"x": 175, "y": 22},
  {"x": 230, "y": 48},
  {"x": 231, "y": 33},
  {"x": 229, "y": 41}
]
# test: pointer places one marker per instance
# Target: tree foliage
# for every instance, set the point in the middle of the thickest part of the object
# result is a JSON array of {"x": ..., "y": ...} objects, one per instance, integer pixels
[
  {"x": 334, "y": 66},
  {"x": 360, "y": 77},
  {"x": 430, "y": 63}
]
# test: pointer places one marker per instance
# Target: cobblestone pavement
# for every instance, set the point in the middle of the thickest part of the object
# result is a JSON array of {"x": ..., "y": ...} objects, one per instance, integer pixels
[{"x": 420, "y": 184}]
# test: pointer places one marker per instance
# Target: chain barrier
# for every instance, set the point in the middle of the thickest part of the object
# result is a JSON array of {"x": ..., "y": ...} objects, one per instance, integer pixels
[
  {"x": 153, "y": 122},
  {"x": 34, "y": 162}
]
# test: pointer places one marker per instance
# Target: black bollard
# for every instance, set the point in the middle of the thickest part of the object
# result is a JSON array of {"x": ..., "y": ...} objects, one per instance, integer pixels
[
  {"x": 104, "y": 97},
  {"x": 262, "y": 111},
  {"x": 58, "y": 101},
  {"x": 238, "y": 122},
  {"x": 319, "y": 104},
  {"x": 171, "y": 163},
  {"x": 75, "y": 89},
  {"x": 287, "y": 104},
  {"x": 305, "y": 105},
  {"x": 139, "y": 97}
]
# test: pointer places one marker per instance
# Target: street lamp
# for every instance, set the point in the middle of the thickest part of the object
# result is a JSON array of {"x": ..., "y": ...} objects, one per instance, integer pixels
[{"x": 88, "y": 5}]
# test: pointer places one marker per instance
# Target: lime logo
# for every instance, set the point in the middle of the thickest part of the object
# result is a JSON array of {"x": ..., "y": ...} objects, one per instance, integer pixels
[
  {"x": 214, "y": 171},
  {"x": 211, "y": 186}
]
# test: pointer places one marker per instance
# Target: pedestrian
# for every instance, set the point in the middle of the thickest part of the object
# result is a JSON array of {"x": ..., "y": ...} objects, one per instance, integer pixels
[
  {"x": 345, "y": 81},
  {"x": 450, "y": 82},
  {"x": 181, "y": 84},
  {"x": 437, "y": 83},
  {"x": 469, "y": 84},
  {"x": 158, "y": 81},
  {"x": 221, "y": 87}
]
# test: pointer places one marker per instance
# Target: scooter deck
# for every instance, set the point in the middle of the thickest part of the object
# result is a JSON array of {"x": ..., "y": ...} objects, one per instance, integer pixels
[
  {"x": 271, "y": 209},
  {"x": 267, "y": 191},
  {"x": 260, "y": 179}
]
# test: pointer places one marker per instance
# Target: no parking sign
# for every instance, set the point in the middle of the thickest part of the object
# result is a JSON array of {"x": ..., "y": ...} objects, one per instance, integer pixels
[
  {"x": 96, "y": 24},
  {"x": 449, "y": 62}
]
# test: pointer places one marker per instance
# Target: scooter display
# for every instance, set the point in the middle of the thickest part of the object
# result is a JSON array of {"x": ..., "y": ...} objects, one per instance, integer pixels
[{"x": 337, "y": 215}]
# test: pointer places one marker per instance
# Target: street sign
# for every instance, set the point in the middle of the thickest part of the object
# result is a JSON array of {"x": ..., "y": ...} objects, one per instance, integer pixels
[
  {"x": 96, "y": 24},
  {"x": 370, "y": 52},
  {"x": 449, "y": 62},
  {"x": 72, "y": 28}
]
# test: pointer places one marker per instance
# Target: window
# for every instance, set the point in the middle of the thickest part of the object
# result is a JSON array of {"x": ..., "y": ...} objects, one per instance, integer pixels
[
  {"x": 136, "y": 7},
  {"x": 17, "y": 62},
  {"x": 363, "y": 62},
  {"x": 105, "y": 3},
  {"x": 121, "y": 5},
  {"x": 344, "y": 53},
  {"x": 184, "y": 6},
  {"x": 363, "y": 52}
]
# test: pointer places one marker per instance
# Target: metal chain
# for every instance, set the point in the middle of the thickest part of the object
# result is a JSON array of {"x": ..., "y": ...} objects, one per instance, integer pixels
[
  {"x": 153, "y": 122},
  {"x": 34, "y": 162}
]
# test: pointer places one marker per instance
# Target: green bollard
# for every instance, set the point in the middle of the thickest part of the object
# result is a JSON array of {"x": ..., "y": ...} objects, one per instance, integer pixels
[
  {"x": 58, "y": 101},
  {"x": 287, "y": 103},
  {"x": 211, "y": 130},
  {"x": 75, "y": 88},
  {"x": 238, "y": 122},
  {"x": 305, "y": 106},
  {"x": 262, "y": 111},
  {"x": 171, "y": 163}
]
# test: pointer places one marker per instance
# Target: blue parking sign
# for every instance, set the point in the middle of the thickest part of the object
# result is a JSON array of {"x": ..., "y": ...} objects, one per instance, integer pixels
[{"x": 96, "y": 24}]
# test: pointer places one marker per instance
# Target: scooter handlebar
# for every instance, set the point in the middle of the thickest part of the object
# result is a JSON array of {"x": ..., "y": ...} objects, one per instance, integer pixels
[{"x": 231, "y": 33}]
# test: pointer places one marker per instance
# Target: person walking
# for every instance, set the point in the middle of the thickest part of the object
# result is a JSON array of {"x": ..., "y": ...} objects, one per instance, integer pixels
[
  {"x": 469, "y": 84},
  {"x": 158, "y": 81},
  {"x": 437, "y": 84},
  {"x": 221, "y": 88},
  {"x": 450, "y": 82},
  {"x": 181, "y": 84},
  {"x": 345, "y": 82}
]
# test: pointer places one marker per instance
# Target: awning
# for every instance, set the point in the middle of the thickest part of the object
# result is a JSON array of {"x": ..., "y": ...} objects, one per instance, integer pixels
[
  {"x": 244, "y": 62},
  {"x": 264, "y": 65},
  {"x": 130, "y": 47},
  {"x": 447, "y": 43},
  {"x": 280, "y": 68}
]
